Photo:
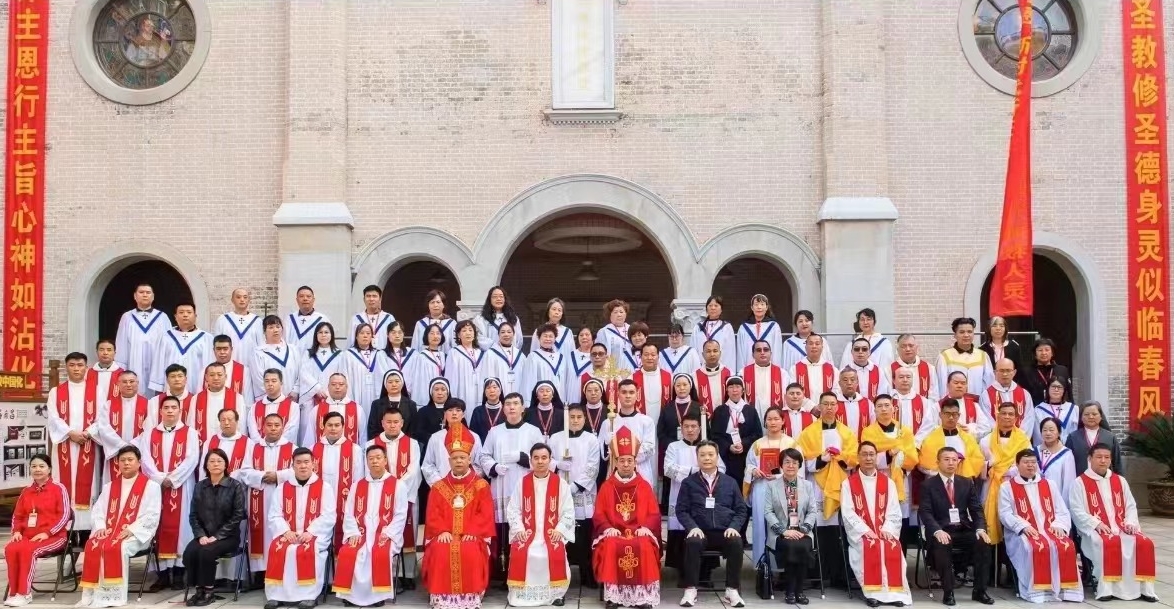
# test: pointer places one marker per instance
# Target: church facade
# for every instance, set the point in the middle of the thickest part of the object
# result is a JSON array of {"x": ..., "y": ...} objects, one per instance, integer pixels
[{"x": 857, "y": 148}]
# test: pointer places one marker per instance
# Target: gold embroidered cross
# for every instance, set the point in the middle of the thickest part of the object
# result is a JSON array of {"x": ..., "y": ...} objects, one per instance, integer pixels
[{"x": 629, "y": 562}]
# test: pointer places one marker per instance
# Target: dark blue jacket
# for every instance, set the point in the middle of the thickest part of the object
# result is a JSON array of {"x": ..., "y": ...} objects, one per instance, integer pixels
[{"x": 729, "y": 512}]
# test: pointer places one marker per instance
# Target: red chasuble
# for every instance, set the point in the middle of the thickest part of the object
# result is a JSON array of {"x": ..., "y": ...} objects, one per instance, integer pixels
[
  {"x": 776, "y": 385},
  {"x": 257, "y": 497},
  {"x": 237, "y": 458},
  {"x": 626, "y": 559},
  {"x": 350, "y": 420},
  {"x": 666, "y": 389},
  {"x": 275, "y": 567},
  {"x": 103, "y": 556},
  {"x": 116, "y": 423},
  {"x": 921, "y": 374},
  {"x": 1018, "y": 396},
  {"x": 170, "y": 522},
  {"x": 348, "y": 553},
  {"x": 87, "y": 453},
  {"x": 803, "y": 371},
  {"x": 710, "y": 397},
  {"x": 865, "y": 407},
  {"x": 878, "y": 553},
  {"x": 1041, "y": 552},
  {"x": 556, "y": 553},
  {"x": 1143, "y": 555},
  {"x": 459, "y": 506},
  {"x": 230, "y": 403},
  {"x": 346, "y": 474}
]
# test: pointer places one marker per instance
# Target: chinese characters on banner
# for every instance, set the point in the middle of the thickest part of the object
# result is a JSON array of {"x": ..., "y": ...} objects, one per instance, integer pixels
[
  {"x": 1147, "y": 217},
  {"x": 24, "y": 185}
]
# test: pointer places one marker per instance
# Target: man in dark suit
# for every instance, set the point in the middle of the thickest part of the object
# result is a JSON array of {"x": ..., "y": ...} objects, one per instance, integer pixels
[{"x": 951, "y": 511}]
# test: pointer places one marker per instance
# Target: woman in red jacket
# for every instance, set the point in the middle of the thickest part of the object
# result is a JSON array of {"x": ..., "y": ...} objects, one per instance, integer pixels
[{"x": 38, "y": 528}]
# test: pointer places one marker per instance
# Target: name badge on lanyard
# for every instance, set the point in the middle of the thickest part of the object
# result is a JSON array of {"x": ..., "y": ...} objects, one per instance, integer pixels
[
  {"x": 793, "y": 520},
  {"x": 32, "y": 521},
  {"x": 955, "y": 517},
  {"x": 710, "y": 502}
]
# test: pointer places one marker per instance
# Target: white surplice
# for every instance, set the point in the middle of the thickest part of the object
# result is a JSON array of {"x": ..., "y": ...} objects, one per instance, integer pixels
[
  {"x": 615, "y": 339},
  {"x": 378, "y": 323},
  {"x": 252, "y": 477},
  {"x": 581, "y": 469},
  {"x": 1129, "y": 588},
  {"x": 544, "y": 366},
  {"x": 191, "y": 349},
  {"x": 244, "y": 331},
  {"x": 723, "y": 333},
  {"x": 465, "y": 374},
  {"x": 264, "y": 407},
  {"x": 331, "y": 463},
  {"x": 795, "y": 350},
  {"x": 138, "y": 332},
  {"x": 142, "y": 532},
  {"x": 680, "y": 461},
  {"x": 314, "y": 376},
  {"x": 364, "y": 372},
  {"x": 855, "y": 526},
  {"x": 644, "y": 428},
  {"x": 110, "y": 439},
  {"x": 508, "y": 365},
  {"x": 322, "y": 528},
  {"x": 284, "y": 357},
  {"x": 682, "y": 360},
  {"x": 362, "y": 592},
  {"x": 880, "y": 351},
  {"x": 310, "y": 428},
  {"x": 410, "y": 481},
  {"x": 215, "y": 403},
  {"x": 487, "y": 331},
  {"x": 59, "y": 432},
  {"x": 447, "y": 326},
  {"x": 300, "y": 329},
  {"x": 424, "y": 366},
  {"x": 752, "y": 332},
  {"x": 863, "y": 374},
  {"x": 104, "y": 377},
  {"x": 758, "y": 488},
  {"x": 435, "y": 465},
  {"x": 499, "y": 460},
  {"x": 538, "y": 589},
  {"x": 1018, "y": 547},
  {"x": 1028, "y": 425},
  {"x": 182, "y": 477},
  {"x": 934, "y": 393}
]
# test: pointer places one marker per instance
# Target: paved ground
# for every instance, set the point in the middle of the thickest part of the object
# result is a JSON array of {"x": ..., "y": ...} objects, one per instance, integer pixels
[{"x": 1161, "y": 530}]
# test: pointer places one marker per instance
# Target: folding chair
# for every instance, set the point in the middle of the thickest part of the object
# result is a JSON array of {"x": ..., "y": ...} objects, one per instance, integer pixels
[
  {"x": 70, "y": 550},
  {"x": 151, "y": 551},
  {"x": 707, "y": 585},
  {"x": 811, "y": 580},
  {"x": 849, "y": 574},
  {"x": 328, "y": 574},
  {"x": 932, "y": 579},
  {"x": 241, "y": 568}
]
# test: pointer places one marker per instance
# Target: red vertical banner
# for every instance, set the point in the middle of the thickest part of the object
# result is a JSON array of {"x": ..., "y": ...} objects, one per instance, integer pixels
[
  {"x": 24, "y": 186},
  {"x": 1146, "y": 215},
  {"x": 1011, "y": 291}
]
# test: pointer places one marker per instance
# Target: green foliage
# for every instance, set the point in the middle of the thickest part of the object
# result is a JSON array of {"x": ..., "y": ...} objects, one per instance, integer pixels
[{"x": 1154, "y": 439}]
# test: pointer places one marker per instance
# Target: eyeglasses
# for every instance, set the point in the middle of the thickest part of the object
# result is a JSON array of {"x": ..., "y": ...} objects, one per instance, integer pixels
[
  {"x": 949, "y": 414},
  {"x": 860, "y": 349},
  {"x": 762, "y": 349},
  {"x": 598, "y": 353}
]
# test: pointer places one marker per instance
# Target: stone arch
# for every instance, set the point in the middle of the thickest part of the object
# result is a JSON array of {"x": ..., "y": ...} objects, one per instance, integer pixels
[
  {"x": 585, "y": 193},
  {"x": 784, "y": 249},
  {"x": 385, "y": 255},
  {"x": 86, "y": 294},
  {"x": 1081, "y": 269}
]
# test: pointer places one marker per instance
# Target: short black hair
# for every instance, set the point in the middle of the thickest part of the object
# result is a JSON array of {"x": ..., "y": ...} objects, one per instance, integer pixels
[
  {"x": 277, "y": 371},
  {"x": 129, "y": 448},
  {"x": 220, "y": 339},
  {"x": 41, "y": 457},
  {"x": 1025, "y": 453},
  {"x": 76, "y": 355},
  {"x": 1099, "y": 446},
  {"x": 866, "y": 443},
  {"x": 330, "y": 415},
  {"x": 304, "y": 287},
  {"x": 301, "y": 450},
  {"x": 962, "y": 321},
  {"x": 946, "y": 449},
  {"x": 108, "y": 341},
  {"x": 236, "y": 416},
  {"x": 372, "y": 288},
  {"x": 793, "y": 454},
  {"x": 708, "y": 443},
  {"x": 175, "y": 368},
  {"x": 271, "y": 320},
  {"x": 376, "y": 447},
  {"x": 540, "y": 446}
]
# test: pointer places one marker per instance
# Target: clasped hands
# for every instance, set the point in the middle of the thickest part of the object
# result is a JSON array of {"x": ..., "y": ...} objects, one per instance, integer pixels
[
  {"x": 291, "y": 537},
  {"x": 447, "y": 538}
]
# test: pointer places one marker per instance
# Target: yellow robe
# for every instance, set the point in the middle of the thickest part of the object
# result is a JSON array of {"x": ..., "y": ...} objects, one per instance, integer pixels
[
  {"x": 972, "y": 460},
  {"x": 902, "y": 443},
  {"x": 1002, "y": 460},
  {"x": 830, "y": 477}
]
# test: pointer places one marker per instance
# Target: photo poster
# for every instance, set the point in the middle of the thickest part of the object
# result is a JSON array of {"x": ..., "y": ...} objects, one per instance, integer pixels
[{"x": 24, "y": 432}]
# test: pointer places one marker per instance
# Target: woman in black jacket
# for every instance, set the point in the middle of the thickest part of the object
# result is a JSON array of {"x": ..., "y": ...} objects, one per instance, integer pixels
[
  {"x": 1000, "y": 346},
  {"x": 735, "y": 428},
  {"x": 218, "y": 509},
  {"x": 1036, "y": 377},
  {"x": 393, "y": 395}
]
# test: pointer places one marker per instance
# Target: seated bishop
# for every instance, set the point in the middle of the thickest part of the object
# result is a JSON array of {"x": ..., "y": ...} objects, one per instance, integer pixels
[
  {"x": 627, "y": 531},
  {"x": 541, "y": 515},
  {"x": 1105, "y": 514},
  {"x": 1035, "y": 526},
  {"x": 457, "y": 530},
  {"x": 301, "y": 520},
  {"x": 871, "y": 514},
  {"x": 373, "y": 534}
]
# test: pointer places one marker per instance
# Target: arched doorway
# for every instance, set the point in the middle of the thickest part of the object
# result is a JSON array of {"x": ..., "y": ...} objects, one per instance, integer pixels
[
  {"x": 170, "y": 287},
  {"x": 587, "y": 259},
  {"x": 407, "y": 286},
  {"x": 740, "y": 279}
]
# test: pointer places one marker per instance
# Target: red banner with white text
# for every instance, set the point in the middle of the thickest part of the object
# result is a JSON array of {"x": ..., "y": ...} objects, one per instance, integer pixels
[
  {"x": 24, "y": 185},
  {"x": 1147, "y": 219}
]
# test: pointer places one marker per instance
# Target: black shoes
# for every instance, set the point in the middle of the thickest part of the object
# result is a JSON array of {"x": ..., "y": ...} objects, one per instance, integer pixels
[
  {"x": 801, "y": 599},
  {"x": 790, "y": 599},
  {"x": 1149, "y": 599},
  {"x": 558, "y": 602},
  {"x": 872, "y": 602},
  {"x": 307, "y": 604},
  {"x": 947, "y": 600},
  {"x": 162, "y": 582},
  {"x": 272, "y": 605},
  {"x": 982, "y": 597}
]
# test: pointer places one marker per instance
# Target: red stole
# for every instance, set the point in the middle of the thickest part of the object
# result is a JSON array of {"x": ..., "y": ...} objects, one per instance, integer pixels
[
  {"x": 806, "y": 417},
  {"x": 104, "y": 555},
  {"x": 230, "y": 403},
  {"x": 282, "y": 411},
  {"x": 1041, "y": 554},
  {"x": 403, "y": 462},
  {"x": 257, "y": 496},
  {"x": 917, "y": 405},
  {"x": 878, "y": 553},
  {"x": 922, "y": 370},
  {"x": 873, "y": 387},
  {"x": 83, "y": 494},
  {"x": 185, "y": 404},
  {"x": 706, "y": 394},
  {"x": 116, "y": 423},
  {"x": 236, "y": 380},
  {"x": 111, "y": 390},
  {"x": 306, "y": 571},
  {"x": 237, "y": 458},
  {"x": 776, "y": 385},
  {"x": 350, "y": 420},
  {"x": 346, "y": 474},
  {"x": 348, "y": 554},
  {"x": 556, "y": 552},
  {"x": 170, "y": 521},
  {"x": 969, "y": 407},
  {"x": 1143, "y": 556},
  {"x": 666, "y": 389},
  {"x": 803, "y": 369},
  {"x": 1018, "y": 395},
  {"x": 865, "y": 408}
]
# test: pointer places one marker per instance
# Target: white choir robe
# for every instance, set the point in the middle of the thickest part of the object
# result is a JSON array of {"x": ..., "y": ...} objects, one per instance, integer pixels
[
  {"x": 246, "y": 387},
  {"x": 863, "y": 375},
  {"x": 980, "y": 372},
  {"x": 1067, "y": 413},
  {"x": 642, "y": 427},
  {"x": 211, "y": 423},
  {"x": 1129, "y": 588},
  {"x": 182, "y": 478},
  {"x": 583, "y": 467},
  {"x": 880, "y": 351},
  {"x": 544, "y": 366},
  {"x": 680, "y": 461},
  {"x": 322, "y": 528},
  {"x": 758, "y": 489},
  {"x": 138, "y": 332},
  {"x": 361, "y": 592},
  {"x": 1019, "y": 551},
  {"x": 364, "y": 374},
  {"x": 435, "y": 465},
  {"x": 1029, "y": 425},
  {"x": 935, "y": 390},
  {"x": 228, "y": 445},
  {"x": 244, "y": 331},
  {"x": 538, "y": 589},
  {"x": 930, "y": 415},
  {"x": 410, "y": 481},
  {"x": 257, "y": 433},
  {"x": 579, "y": 363},
  {"x": 793, "y": 421},
  {"x": 855, "y": 528},
  {"x": 852, "y": 414},
  {"x": 684, "y": 360},
  {"x": 500, "y": 452},
  {"x": 564, "y": 341},
  {"x": 508, "y": 365},
  {"x": 59, "y": 432},
  {"x": 487, "y": 331},
  {"x": 378, "y": 323},
  {"x": 795, "y": 349},
  {"x": 309, "y": 430},
  {"x": 153, "y": 406},
  {"x": 252, "y": 477},
  {"x": 651, "y": 388},
  {"x": 424, "y": 366},
  {"x": 111, "y": 440},
  {"x": 723, "y": 333},
  {"x": 300, "y": 329},
  {"x": 316, "y": 371},
  {"x": 763, "y": 389},
  {"x": 104, "y": 376},
  {"x": 815, "y": 385},
  {"x": 1059, "y": 469},
  {"x": 332, "y": 461},
  {"x": 464, "y": 374},
  {"x": 979, "y": 427},
  {"x": 142, "y": 532},
  {"x": 885, "y": 467},
  {"x": 629, "y": 361},
  {"x": 284, "y": 357},
  {"x": 192, "y": 350},
  {"x": 447, "y": 326},
  {"x": 750, "y": 332},
  {"x": 616, "y": 340}
]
